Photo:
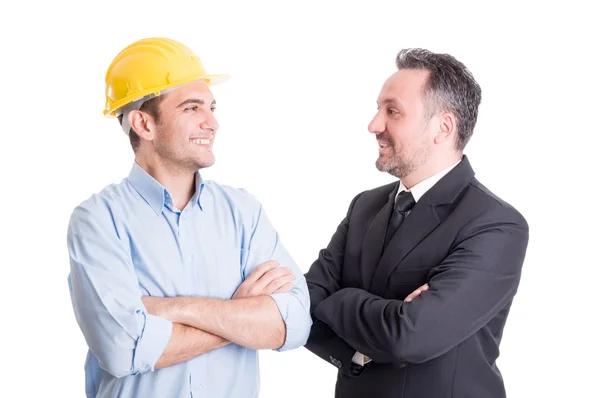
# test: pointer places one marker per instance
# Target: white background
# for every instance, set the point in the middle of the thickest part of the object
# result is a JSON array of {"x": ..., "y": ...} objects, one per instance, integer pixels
[{"x": 294, "y": 133}]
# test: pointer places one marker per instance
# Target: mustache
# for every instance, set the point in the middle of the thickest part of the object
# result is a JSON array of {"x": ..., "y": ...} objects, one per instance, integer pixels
[{"x": 383, "y": 137}]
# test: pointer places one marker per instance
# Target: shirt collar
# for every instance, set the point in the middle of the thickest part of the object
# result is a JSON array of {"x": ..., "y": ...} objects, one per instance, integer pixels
[
  {"x": 421, "y": 188},
  {"x": 199, "y": 181},
  {"x": 153, "y": 192}
]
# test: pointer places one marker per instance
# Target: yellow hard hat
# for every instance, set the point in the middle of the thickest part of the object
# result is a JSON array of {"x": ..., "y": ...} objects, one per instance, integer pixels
[{"x": 148, "y": 67}]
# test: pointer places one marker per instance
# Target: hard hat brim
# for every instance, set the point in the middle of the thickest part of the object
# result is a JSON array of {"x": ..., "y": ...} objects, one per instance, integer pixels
[{"x": 211, "y": 80}]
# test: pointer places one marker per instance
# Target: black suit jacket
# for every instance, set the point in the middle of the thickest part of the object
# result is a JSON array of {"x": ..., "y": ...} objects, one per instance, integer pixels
[{"x": 468, "y": 244}]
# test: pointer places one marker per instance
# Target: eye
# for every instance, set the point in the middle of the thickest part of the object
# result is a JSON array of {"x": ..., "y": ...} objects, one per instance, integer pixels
[
  {"x": 213, "y": 108},
  {"x": 192, "y": 108},
  {"x": 391, "y": 111}
]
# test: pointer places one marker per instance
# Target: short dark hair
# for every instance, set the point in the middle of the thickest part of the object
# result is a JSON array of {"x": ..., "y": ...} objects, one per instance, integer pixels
[
  {"x": 451, "y": 87},
  {"x": 151, "y": 107}
]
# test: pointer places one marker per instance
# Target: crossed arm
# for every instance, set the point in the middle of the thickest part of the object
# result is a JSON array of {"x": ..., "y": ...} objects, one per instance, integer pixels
[
  {"x": 130, "y": 334},
  {"x": 251, "y": 318},
  {"x": 475, "y": 282}
]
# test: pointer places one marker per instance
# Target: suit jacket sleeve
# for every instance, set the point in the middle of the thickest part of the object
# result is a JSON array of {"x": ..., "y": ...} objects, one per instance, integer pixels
[
  {"x": 323, "y": 280},
  {"x": 475, "y": 282}
]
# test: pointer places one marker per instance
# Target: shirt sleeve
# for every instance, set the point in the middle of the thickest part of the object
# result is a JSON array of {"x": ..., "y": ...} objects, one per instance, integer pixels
[
  {"x": 294, "y": 306},
  {"x": 105, "y": 294}
]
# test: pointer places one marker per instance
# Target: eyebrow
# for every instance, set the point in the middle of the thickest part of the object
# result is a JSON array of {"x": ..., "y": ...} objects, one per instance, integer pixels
[
  {"x": 194, "y": 101},
  {"x": 392, "y": 101}
]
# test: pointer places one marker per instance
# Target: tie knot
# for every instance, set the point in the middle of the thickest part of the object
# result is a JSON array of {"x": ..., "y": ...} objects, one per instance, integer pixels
[{"x": 404, "y": 201}]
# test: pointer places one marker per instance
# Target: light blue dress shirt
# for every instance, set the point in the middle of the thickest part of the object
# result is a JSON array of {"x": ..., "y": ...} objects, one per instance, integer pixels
[{"x": 128, "y": 241}]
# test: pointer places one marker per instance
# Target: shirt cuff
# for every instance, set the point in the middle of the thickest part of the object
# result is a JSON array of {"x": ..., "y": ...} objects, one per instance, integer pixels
[
  {"x": 151, "y": 343},
  {"x": 296, "y": 319},
  {"x": 360, "y": 359}
]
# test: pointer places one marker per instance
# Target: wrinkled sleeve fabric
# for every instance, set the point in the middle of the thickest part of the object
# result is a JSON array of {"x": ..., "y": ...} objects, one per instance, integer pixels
[
  {"x": 294, "y": 306},
  {"x": 105, "y": 294},
  {"x": 324, "y": 280}
]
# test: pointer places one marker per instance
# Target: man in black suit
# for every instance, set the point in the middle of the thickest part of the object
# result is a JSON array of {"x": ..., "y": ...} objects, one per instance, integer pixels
[{"x": 436, "y": 236}]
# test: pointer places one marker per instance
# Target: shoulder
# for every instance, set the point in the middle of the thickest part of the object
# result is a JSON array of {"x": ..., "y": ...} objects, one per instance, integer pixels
[
  {"x": 236, "y": 197},
  {"x": 373, "y": 198},
  {"x": 233, "y": 202},
  {"x": 100, "y": 206},
  {"x": 488, "y": 210},
  {"x": 494, "y": 203},
  {"x": 383, "y": 191}
]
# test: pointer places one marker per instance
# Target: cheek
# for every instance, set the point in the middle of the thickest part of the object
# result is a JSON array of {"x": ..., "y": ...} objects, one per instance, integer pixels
[
  {"x": 188, "y": 127},
  {"x": 399, "y": 132},
  {"x": 176, "y": 133},
  {"x": 407, "y": 137},
  {"x": 164, "y": 138}
]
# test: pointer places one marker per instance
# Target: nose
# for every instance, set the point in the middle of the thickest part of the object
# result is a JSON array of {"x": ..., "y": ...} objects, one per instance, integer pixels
[
  {"x": 210, "y": 123},
  {"x": 377, "y": 124}
]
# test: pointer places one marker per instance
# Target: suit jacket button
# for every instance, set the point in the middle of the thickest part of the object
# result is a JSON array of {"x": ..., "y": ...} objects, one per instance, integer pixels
[{"x": 336, "y": 362}]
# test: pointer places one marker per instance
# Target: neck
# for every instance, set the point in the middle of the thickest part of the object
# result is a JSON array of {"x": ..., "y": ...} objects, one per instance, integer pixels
[
  {"x": 179, "y": 182},
  {"x": 430, "y": 168}
]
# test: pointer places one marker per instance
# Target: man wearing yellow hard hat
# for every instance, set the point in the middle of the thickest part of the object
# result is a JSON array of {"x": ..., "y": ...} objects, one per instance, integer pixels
[{"x": 177, "y": 281}]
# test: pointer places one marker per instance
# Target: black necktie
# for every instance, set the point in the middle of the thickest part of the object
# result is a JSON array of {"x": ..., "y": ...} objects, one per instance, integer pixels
[{"x": 404, "y": 202}]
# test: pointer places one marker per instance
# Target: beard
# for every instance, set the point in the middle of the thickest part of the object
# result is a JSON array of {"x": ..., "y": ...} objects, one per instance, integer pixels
[
  {"x": 401, "y": 164},
  {"x": 181, "y": 158}
]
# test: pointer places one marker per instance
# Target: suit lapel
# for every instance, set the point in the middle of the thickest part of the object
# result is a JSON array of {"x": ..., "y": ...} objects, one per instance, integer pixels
[
  {"x": 374, "y": 239},
  {"x": 427, "y": 214},
  {"x": 419, "y": 223}
]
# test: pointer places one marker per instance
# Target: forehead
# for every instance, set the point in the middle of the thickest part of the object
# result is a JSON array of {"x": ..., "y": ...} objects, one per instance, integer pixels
[
  {"x": 195, "y": 90},
  {"x": 404, "y": 85}
]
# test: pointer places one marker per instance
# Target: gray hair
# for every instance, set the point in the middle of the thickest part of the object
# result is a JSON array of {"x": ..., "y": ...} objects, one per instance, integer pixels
[{"x": 451, "y": 87}]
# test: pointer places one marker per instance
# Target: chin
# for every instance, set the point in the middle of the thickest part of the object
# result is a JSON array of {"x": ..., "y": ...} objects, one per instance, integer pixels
[
  {"x": 383, "y": 164},
  {"x": 205, "y": 163},
  {"x": 390, "y": 166}
]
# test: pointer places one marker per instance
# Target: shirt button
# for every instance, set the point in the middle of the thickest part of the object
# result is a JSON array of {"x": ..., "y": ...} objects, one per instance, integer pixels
[
  {"x": 190, "y": 257},
  {"x": 199, "y": 386}
]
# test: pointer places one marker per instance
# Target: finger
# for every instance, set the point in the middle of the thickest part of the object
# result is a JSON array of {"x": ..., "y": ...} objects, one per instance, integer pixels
[
  {"x": 278, "y": 283},
  {"x": 416, "y": 293},
  {"x": 261, "y": 269},
  {"x": 256, "y": 287},
  {"x": 412, "y": 295},
  {"x": 276, "y": 273},
  {"x": 285, "y": 288},
  {"x": 270, "y": 276}
]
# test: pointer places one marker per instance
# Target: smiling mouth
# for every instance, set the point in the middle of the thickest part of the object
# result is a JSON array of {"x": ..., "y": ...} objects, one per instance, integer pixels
[{"x": 201, "y": 141}]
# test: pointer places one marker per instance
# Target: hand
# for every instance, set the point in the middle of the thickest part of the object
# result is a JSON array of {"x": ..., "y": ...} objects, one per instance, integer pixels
[
  {"x": 416, "y": 293},
  {"x": 158, "y": 306},
  {"x": 266, "y": 279}
]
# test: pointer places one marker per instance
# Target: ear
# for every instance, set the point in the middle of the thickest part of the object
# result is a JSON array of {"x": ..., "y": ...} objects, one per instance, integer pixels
[
  {"x": 142, "y": 124},
  {"x": 447, "y": 128}
]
